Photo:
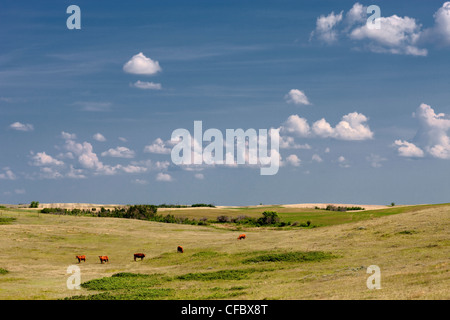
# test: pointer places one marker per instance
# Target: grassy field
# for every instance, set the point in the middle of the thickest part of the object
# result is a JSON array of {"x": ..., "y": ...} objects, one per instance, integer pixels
[{"x": 409, "y": 244}]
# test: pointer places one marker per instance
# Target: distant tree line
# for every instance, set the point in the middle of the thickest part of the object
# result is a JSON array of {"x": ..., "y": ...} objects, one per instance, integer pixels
[
  {"x": 141, "y": 212},
  {"x": 331, "y": 207},
  {"x": 149, "y": 213},
  {"x": 164, "y": 205}
]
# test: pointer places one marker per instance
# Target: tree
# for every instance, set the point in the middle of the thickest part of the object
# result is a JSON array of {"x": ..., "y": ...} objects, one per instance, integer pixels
[
  {"x": 269, "y": 217},
  {"x": 34, "y": 204}
]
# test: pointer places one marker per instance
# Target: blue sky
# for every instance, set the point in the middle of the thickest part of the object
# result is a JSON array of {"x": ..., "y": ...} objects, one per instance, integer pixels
[{"x": 77, "y": 126}]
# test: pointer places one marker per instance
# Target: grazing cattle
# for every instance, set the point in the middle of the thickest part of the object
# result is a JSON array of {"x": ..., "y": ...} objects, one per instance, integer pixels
[
  {"x": 81, "y": 258},
  {"x": 139, "y": 255},
  {"x": 103, "y": 259},
  {"x": 241, "y": 236},
  {"x": 180, "y": 249}
]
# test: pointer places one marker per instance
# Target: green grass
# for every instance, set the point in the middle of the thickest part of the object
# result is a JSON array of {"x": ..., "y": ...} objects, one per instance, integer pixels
[
  {"x": 317, "y": 218},
  {"x": 120, "y": 281},
  {"x": 207, "y": 254},
  {"x": 142, "y": 294},
  {"x": 407, "y": 232},
  {"x": 6, "y": 220},
  {"x": 126, "y": 286},
  {"x": 236, "y": 274},
  {"x": 297, "y": 256},
  {"x": 3, "y": 271}
]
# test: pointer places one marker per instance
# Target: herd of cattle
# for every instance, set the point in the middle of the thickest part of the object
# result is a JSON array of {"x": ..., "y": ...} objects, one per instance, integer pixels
[{"x": 138, "y": 255}]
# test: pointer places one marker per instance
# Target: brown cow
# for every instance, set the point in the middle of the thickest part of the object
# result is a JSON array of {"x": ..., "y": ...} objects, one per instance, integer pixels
[
  {"x": 180, "y": 249},
  {"x": 103, "y": 259},
  {"x": 81, "y": 258},
  {"x": 241, "y": 236},
  {"x": 139, "y": 255}
]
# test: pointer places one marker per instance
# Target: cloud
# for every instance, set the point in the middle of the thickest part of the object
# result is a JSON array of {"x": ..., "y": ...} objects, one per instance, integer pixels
[
  {"x": 325, "y": 27},
  {"x": 322, "y": 128},
  {"x": 163, "y": 177},
  {"x": 50, "y": 173},
  {"x": 433, "y": 131},
  {"x": 287, "y": 142},
  {"x": 140, "y": 181},
  {"x": 375, "y": 160},
  {"x": 16, "y": 191},
  {"x": 432, "y": 136},
  {"x": 84, "y": 151},
  {"x": 396, "y": 35},
  {"x": 7, "y": 174},
  {"x": 132, "y": 169},
  {"x": 150, "y": 165},
  {"x": 158, "y": 146},
  {"x": 140, "y": 64},
  {"x": 119, "y": 152},
  {"x": 343, "y": 163},
  {"x": 75, "y": 173},
  {"x": 146, "y": 85},
  {"x": 296, "y": 125},
  {"x": 68, "y": 136},
  {"x": 21, "y": 126},
  {"x": 43, "y": 159},
  {"x": 407, "y": 149},
  {"x": 93, "y": 106},
  {"x": 87, "y": 160},
  {"x": 316, "y": 158},
  {"x": 440, "y": 32},
  {"x": 357, "y": 14},
  {"x": 353, "y": 126},
  {"x": 99, "y": 137},
  {"x": 199, "y": 176},
  {"x": 296, "y": 96},
  {"x": 293, "y": 160}
]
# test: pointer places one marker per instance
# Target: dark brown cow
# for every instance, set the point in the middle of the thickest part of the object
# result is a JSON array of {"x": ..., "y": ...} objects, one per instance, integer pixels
[
  {"x": 180, "y": 249},
  {"x": 81, "y": 258},
  {"x": 139, "y": 255},
  {"x": 103, "y": 259},
  {"x": 241, "y": 236}
]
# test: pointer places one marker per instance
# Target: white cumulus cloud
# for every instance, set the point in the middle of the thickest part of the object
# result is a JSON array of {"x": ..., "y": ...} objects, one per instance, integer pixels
[
  {"x": 353, "y": 126},
  {"x": 163, "y": 177},
  {"x": 43, "y": 159},
  {"x": 296, "y": 96},
  {"x": 21, "y": 126},
  {"x": 293, "y": 160},
  {"x": 158, "y": 146},
  {"x": 140, "y": 64},
  {"x": 99, "y": 137},
  {"x": 397, "y": 35},
  {"x": 119, "y": 152},
  {"x": 326, "y": 27},
  {"x": 408, "y": 149}
]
